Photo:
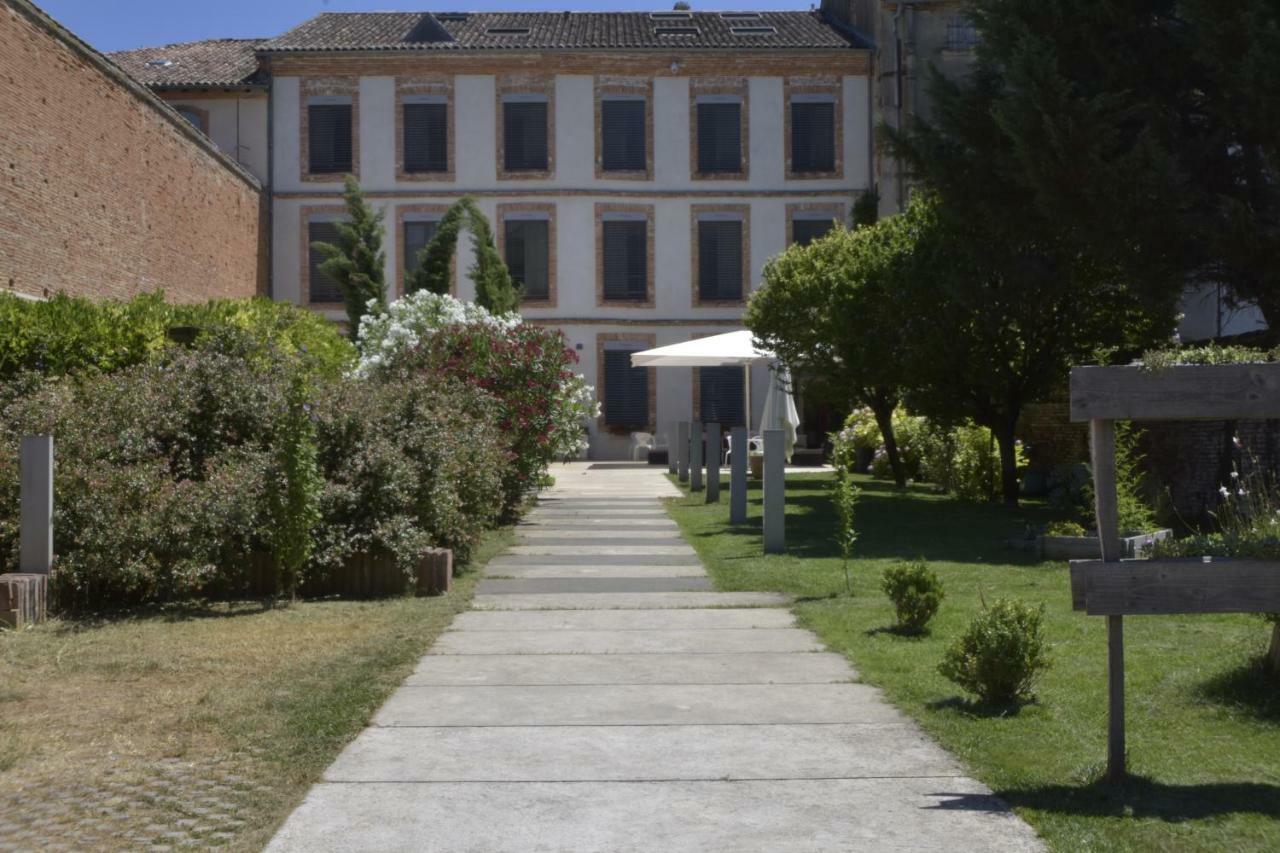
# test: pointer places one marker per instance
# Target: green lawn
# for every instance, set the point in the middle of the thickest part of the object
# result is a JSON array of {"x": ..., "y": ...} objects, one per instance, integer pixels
[
  {"x": 1204, "y": 722},
  {"x": 196, "y": 726}
]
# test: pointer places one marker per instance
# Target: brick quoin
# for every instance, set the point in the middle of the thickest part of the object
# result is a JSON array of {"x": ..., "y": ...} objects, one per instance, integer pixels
[{"x": 102, "y": 193}]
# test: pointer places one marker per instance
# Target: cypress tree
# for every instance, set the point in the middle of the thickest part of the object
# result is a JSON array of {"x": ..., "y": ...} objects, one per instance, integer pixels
[
  {"x": 494, "y": 289},
  {"x": 357, "y": 262}
]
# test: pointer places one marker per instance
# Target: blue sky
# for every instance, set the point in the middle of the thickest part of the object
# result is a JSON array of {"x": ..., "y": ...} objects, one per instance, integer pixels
[{"x": 122, "y": 24}]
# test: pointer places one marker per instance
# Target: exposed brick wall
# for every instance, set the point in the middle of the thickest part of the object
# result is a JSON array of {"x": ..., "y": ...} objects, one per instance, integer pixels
[
  {"x": 1050, "y": 437},
  {"x": 103, "y": 192}
]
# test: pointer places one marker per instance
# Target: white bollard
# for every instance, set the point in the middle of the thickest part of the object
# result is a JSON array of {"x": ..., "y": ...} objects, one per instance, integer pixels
[
  {"x": 775, "y": 492},
  {"x": 35, "y": 549},
  {"x": 671, "y": 448},
  {"x": 682, "y": 450},
  {"x": 738, "y": 475},
  {"x": 695, "y": 459},
  {"x": 713, "y": 463}
]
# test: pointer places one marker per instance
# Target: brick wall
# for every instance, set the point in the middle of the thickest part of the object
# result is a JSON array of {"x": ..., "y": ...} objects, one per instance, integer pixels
[{"x": 104, "y": 192}]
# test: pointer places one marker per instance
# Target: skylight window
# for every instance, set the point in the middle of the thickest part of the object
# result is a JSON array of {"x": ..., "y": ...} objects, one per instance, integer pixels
[
  {"x": 753, "y": 31},
  {"x": 740, "y": 16},
  {"x": 507, "y": 31},
  {"x": 676, "y": 31},
  {"x": 671, "y": 16},
  {"x": 160, "y": 63}
]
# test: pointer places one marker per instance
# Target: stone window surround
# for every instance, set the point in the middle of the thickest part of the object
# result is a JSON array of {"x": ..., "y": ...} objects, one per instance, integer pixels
[
  {"x": 819, "y": 86},
  {"x": 406, "y": 88},
  {"x": 418, "y": 213},
  {"x": 741, "y": 211},
  {"x": 306, "y": 214},
  {"x": 322, "y": 87},
  {"x": 649, "y": 340},
  {"x": 807, "y": 210},
  {"x": 633, "y": 87},
  {"x": 524, "y": 84},
  {"x": 719, "y": 86},
  {"x": 602, "y": 211},
  {"x": 523, "y": 210}
]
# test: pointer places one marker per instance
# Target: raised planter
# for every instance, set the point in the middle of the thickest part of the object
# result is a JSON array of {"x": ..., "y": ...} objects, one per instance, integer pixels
[
  {"x": 755, "y": 461},
  {"x": 24, "y": 598},
  {"x": 1089, "y": 548},
  {"x": 365, "y": 576}
]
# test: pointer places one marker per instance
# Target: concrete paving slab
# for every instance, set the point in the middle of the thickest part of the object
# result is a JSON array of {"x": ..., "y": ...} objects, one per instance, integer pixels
[
  {"x": 609, "y": 543},
  {"x": 639, "y": 753},
  {"x": 597, "y": 550},
  {"x": 513, "y": 670},
  {"x": 603, "y": 571},
  {"x": 731, "y": 641},
  {"x": 559, "y": 535},
  {"x": 500, "y": 586},
  {"x": 625, "y": 620},
  {"x": 598, "y": 523},
  {"x": 626, "y": 600},
  {"x": 604, "y": 513},
  {"x": 593, "y": 559},
  {"x": 635, "y": 705},
  {"x": 798, "y": 816}
]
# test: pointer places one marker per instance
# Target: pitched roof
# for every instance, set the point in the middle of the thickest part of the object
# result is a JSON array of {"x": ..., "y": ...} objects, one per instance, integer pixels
[
  {"x": 562, "y": 31},
  {"x": 213, "y": 62}
]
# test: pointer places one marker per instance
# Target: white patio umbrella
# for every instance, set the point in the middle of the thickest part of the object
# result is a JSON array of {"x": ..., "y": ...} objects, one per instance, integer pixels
[
  {"x": 728, "y": 350},
  {"x": 780, "y": 409}
]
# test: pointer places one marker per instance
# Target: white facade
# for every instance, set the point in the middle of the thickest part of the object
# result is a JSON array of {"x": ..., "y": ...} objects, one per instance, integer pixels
[
  {"x": 237, "y": 124},
  {"x": 572, "y": 193}
]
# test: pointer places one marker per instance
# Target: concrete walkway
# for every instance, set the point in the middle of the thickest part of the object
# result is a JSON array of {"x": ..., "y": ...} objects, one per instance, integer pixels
[{"x": 601, "y": 697}]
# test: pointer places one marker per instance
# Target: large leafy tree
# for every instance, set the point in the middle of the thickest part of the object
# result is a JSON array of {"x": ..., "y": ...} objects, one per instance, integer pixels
[
  {"x": 825, "y": 309},
  {"x": 356, "y": 261},
  {"x": 494, "y": 289}
]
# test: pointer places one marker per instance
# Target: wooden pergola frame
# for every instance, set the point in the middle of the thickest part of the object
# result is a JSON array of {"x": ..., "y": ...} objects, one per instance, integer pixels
[{"x": 1115, "y": 588}]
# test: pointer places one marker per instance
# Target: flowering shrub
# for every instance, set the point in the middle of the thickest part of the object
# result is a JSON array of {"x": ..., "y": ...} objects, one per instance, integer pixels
[
  {"x": 541, "y": 405},
  {"x": 861, "y": 435}
]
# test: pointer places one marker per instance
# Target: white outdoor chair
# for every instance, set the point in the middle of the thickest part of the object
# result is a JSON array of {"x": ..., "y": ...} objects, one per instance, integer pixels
[
  {"x": 641, "y": 444},
  {"x": 755, "y": 444}
]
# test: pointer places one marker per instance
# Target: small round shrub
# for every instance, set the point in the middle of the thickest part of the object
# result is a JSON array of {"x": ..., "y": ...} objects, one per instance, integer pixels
[
  {"x": 1000, "y": 655},
  {"x": 916, "y": 593},
  {"x": 1065, "y": 528}
]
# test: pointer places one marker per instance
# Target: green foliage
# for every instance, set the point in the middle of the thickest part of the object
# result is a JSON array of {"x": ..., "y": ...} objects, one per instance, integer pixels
[
  {"x": 1135, "y": 514},
  {"x": 1000, "y": 655},
  {"x": 495, "y": 291},
  {"x": 293, "y": 488},
  {"x": 1065, "y": 528},
  {"x": 861, "y": 433},
  {"x": 356, "y": 262},
  {"x": 846, "y": 502},
  {"x": 965, "y": 461},
  {"x": 916, "y": 593},
  {"x": 865, "y": 210},
  {"x": 275, "y": 326},
  {"x": 1208, "y": 354}
]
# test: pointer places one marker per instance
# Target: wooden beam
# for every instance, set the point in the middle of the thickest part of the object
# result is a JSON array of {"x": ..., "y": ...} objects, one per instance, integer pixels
[
  {"x": 1167, "y": 587},
  {"x": 1102, "y": 446},
  {"x": 1186, "y": 392}
]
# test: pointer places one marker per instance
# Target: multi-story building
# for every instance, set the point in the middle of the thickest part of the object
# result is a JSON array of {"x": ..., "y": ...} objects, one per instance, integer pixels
[{"x": 639, "y": 168}]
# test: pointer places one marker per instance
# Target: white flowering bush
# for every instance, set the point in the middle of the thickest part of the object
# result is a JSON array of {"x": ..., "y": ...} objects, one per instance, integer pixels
[{"x": 406, "y": 323}]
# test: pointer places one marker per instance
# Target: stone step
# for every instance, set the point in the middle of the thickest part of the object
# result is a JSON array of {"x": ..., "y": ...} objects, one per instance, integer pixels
[
  {"x": 753, "y": 668},
  {"x": 637, "y": 753},
  {"x": 733, "y": 640},
  {"x": 635, "y": 705},
  {"x": 626, "y": 600}
]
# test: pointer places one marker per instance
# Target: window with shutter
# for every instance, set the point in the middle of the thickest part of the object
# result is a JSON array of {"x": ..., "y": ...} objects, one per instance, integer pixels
[
  {"x": 426, "y": 137},
  {"x": 329, "y": 143},
  {"x": 805, "y": 231},
  {"x": 626, "y": 389},
  {"x": 720, "y": 260},
  {"x": 524, "y": 136},
  {"x": 719, "y": 137},
  {"x": 528, "y": 256},
  {"x": 622, "y": 135},
  {"x": 417, "y": 234},
  {"x": 813, "y": 136},
  {"x": 720, "y": 396},
  {"x": 320, "y": 288},
  {"x": 625, "y": 253}
]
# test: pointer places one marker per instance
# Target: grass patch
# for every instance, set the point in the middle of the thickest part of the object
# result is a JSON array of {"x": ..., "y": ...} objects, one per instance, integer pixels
[
  {"x": 210, "y": 720},
  {"x": 1203, "y": 719}
]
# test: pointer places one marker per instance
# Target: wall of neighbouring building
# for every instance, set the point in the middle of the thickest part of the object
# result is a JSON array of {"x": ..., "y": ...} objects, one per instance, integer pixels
[
  {"x": 235, "y": 121},
  {"x": 106, "y": 192}
]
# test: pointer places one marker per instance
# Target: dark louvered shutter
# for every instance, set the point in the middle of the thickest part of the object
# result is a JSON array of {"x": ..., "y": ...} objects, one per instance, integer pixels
[
  {"x": 626, "y": 260},
  {"x": 525, "y": 136},
  {"x": 626, "y": 391},
  {"x": 719, "y": 137},
  {"x": 416, "y": 237},
  {"x": 528, "y": 256},
  {"x": 426, "y": 138},
  {"x": 622, "y": 136},
  {"x": 720, "y": 260},
  {"x": 720, "y": 395},
  {"x": 813, "y": 136},
  {"x": 321, "y": 288},
  {"x": 329, "y": 138},
  {"x": 805, "y": 231}
]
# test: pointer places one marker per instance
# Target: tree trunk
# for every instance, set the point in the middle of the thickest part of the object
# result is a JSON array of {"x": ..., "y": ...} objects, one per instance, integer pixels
[
  {"x": 1273, "y": 654},
  {"x": 1008, "y": 464},
  {"x": 884, "y": 420}
]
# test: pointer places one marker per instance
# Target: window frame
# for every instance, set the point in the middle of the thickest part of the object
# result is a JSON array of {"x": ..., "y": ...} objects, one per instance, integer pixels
[
  {"x": 413, "y": 90},
  {"x": 531, "y": 211},
  {"x": 524, "y": 89},
  {"x": 719, "y": 91},
  {"x": 698, "y": 414},
  {"x": 620, "y": 89},
  {"x": 638, "y": 341},
  {"x": 720, "y": 213},
  {"x": 625, "y": 212},
  {"x": 327, "y": 91},
  {"x": 811, "y": 90},
  {"x": 836, "y": 211},
  {"x": 417, "y": 213},
  {"x": 307, "y": 215}
]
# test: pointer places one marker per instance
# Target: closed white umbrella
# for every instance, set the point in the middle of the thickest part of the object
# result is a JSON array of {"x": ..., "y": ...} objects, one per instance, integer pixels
[{"x": 780, "y": 409}]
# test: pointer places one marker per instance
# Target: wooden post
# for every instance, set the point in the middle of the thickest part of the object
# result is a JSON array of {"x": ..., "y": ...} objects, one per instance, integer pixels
[
  {"x": 671, "y": 448},
  {"x": 775, "y": 492},
  {"x": 682, "y": 450},
  {"x": 35, "y": 549},
  {"x": 695, "y": 459},
  {"x": 738, "y": 475},
  {"x": 1103, "y": 448},
  {"x": 713, "y": 463}
]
